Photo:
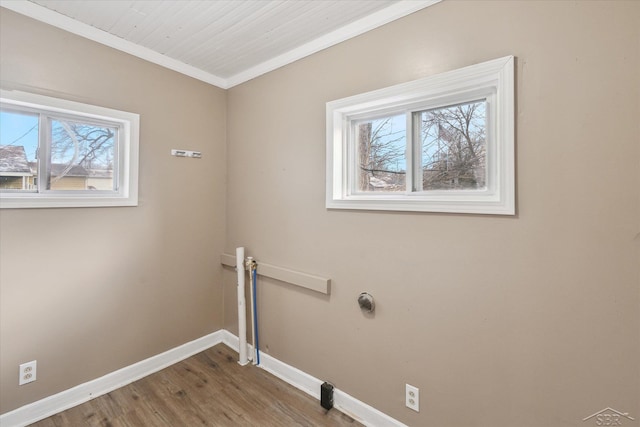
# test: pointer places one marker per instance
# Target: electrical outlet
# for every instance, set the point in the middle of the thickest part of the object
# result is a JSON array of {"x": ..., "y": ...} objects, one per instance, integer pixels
[
  {"x": 412, "y": 397},
  {"x": 27, "y": 372}
]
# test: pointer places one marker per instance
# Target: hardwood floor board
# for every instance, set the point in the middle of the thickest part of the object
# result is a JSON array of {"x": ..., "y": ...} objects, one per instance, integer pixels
[
  {"x": 217, "y": 403},
  {"x": 141, "y": 417},
  {"x": 106, "y": 408},
  {"x": 156, "y": 392},
  {"x": 221, "y": 395},
  {"x": 207, "y": 389},
  {"x": 138, "y": 398},
  {"x": 179, "y": 401},
  {"x": 83, "y": 415},
  {"x": 47, "y": 422}
]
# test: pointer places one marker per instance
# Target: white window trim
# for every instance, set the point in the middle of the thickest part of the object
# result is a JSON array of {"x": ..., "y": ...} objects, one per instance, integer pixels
[
  {"x": 493, "y": 80},
  {"x": 127, "y": 194}
]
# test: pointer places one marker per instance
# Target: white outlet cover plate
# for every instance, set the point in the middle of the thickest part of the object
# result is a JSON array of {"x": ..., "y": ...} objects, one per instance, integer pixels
[
  {"x": 27, "y": 372},
  {"x": 412, "y": 395}
]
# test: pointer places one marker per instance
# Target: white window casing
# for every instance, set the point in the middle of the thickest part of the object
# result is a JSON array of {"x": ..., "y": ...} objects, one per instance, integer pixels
[
  {"x": 125, "y": 168},
  {"x": 491, "y": 82}
]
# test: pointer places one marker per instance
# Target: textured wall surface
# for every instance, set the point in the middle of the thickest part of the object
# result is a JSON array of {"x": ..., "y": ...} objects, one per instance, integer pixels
[
  {"x": 88, "y": 291},
  {"x": 522, "y": 321},
  {"x": 500, "y": 321}
]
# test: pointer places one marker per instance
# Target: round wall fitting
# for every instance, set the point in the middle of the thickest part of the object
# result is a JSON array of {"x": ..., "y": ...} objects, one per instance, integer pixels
[{"x": 366, "y": 302}]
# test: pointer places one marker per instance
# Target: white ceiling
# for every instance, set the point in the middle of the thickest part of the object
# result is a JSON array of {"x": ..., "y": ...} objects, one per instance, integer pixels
[{"x": 222, "y": 42}]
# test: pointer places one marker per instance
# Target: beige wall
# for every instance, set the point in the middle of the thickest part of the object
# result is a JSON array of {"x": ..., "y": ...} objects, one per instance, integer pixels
[
  {"x": 500, "y": 321},
  {"x": 141, "y": 280}
]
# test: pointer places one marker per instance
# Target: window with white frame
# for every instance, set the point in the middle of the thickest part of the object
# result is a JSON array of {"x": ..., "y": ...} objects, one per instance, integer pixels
[
  {"x": 60, "y": 153},
  {"x": 444, "y": 143}
]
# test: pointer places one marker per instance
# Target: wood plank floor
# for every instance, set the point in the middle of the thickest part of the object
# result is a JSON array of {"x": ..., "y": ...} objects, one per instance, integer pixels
[{"x": 208, "y": 389}]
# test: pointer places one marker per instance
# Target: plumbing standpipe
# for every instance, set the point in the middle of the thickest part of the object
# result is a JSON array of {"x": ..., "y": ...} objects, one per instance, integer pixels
[{"x": 242, "y": 310}]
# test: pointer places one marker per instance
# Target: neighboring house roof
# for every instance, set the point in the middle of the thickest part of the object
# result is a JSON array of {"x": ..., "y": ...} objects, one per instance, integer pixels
[
  {"x": 13, "y": 159},
  {"x": 58, "y": 168},
  {"x": 100, "y": 173}
]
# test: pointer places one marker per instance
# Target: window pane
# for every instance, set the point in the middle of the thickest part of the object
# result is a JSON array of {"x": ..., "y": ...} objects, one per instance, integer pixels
[
  {"x": 82, "y": 156},
  {"x": 18, "y": 148},
  {"x": 381, "y": 148},
  {"x": 454, "y": 147}
]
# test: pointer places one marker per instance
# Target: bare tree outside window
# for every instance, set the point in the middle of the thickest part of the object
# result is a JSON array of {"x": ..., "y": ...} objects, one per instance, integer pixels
[
  {"x": 82, "y": 150},
  {"x": 442, "y": 143},
  {"x": 454, "y": 147},
  {"x": 382, "y": 154}
]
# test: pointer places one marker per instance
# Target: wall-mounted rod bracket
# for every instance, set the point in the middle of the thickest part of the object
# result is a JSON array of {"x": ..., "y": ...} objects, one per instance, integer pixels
[{"x": 304, "y": 280}]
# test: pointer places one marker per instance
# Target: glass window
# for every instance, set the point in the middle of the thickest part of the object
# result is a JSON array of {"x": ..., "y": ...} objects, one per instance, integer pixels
[
  {"x": 18, "y": 149},
  {"x": 381, "y": 148},
  {"x": 58, "y": 153},
  {"x": 82, "y": 156},
  {"x": 443, "y": 143},
  {"x": 453, "y": 147}
]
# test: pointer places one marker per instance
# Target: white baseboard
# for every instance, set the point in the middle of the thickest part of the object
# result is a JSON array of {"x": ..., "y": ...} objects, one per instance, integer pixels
[
  {"x": 342, "y": 401},
  {"x": 56, "y": 403}
]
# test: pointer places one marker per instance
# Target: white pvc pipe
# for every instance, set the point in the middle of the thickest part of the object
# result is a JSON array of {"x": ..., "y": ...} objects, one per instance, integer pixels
[{"x": 242, "y": 311}]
